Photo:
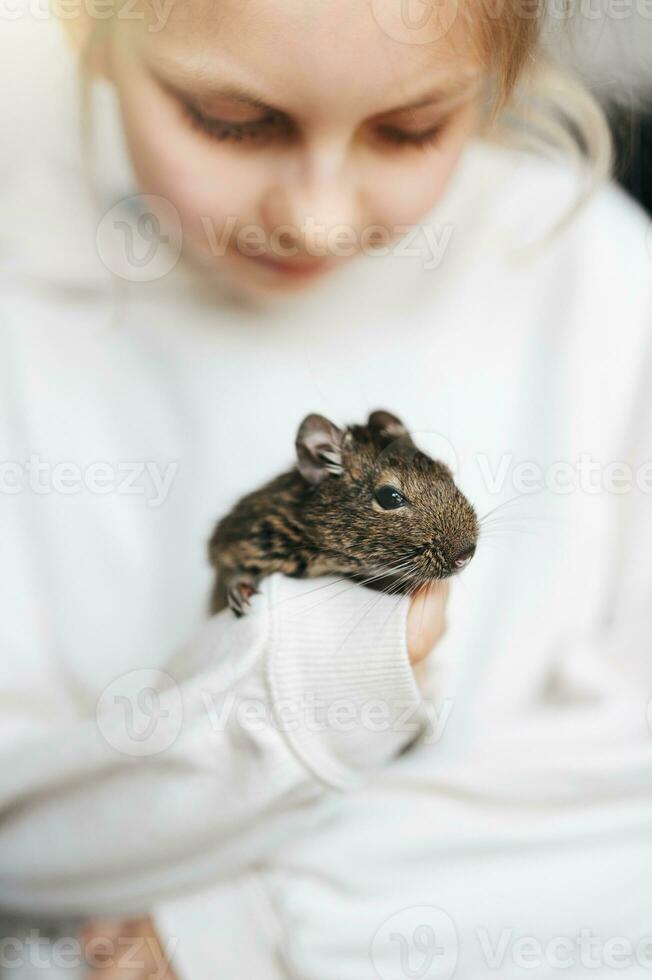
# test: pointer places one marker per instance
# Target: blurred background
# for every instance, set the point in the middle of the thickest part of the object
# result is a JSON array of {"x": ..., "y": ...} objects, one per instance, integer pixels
[{"x": 609, "y": 44}]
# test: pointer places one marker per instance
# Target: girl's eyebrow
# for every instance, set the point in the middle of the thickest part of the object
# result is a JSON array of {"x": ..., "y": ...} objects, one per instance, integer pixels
[
  {"x": 177, "y": 74},
  {"x": 442, "y": 97},
  {"x": 174, "y": 76}
]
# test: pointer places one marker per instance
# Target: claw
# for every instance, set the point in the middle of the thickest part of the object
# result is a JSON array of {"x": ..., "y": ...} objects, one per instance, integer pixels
[{"x": 239, "y": 594}]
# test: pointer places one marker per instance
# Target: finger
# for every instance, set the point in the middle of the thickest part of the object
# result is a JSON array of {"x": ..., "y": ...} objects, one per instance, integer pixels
[
  {"x": 102, "y": 927},
  {"x": 137, "y": 955},
  {"x": 426, "y": 620},
  {"x": 99, "y": 939},
  {"x": 128, "y": 958}
]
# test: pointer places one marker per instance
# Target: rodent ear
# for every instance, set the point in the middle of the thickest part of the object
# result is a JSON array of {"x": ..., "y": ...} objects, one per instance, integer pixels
[
  {"x": 389, "y": 427},
  {"x": 319, "y": 448}
]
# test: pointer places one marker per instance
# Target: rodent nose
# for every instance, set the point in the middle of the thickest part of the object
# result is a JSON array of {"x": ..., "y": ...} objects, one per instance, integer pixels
[{"x": 463, "y": 557}]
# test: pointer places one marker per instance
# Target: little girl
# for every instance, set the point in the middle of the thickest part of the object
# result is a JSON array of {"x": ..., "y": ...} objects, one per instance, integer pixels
[{"x": 233, "y": 215}]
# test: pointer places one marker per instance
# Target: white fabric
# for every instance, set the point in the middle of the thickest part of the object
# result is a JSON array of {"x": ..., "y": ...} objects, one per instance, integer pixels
[{"x": 525, "y": 811}]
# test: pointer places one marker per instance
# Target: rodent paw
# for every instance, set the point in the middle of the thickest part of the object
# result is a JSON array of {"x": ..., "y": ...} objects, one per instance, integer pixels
[{"x": 239, "y": 594}]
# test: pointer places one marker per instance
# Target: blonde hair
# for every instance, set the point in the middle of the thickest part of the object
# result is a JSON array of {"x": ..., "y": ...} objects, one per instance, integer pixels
[{"x": 534, "y": 103}]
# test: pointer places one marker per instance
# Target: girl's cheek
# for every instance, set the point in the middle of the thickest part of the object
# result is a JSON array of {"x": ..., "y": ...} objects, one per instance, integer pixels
[
  {"x": 404, "y": 196},
  {"x": 206, "y": 182},
  {"x": 407, "y": 197},
  {"x": 207, "y": 185},
  {"x": 408, "y": 188},
  {"x": 211, "y": 195}
]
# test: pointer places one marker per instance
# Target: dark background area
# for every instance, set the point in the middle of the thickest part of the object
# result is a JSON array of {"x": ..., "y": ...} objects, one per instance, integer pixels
[{"x": 633, "y": 136}]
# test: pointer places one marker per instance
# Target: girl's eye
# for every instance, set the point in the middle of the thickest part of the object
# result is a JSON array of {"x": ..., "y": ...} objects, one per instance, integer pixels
[
  {"x": 389, "y": 498},
  {"x": 219, "y": 129},
  {"x": 273, "y": 126},
  {"x": 400, "y": 137}
]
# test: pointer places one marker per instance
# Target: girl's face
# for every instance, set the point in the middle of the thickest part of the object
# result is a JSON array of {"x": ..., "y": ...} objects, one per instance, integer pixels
[{"x": 291, "y": 136}]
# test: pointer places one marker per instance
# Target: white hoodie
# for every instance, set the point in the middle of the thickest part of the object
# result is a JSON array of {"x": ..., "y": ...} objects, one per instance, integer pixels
[{"x": 238, "y": 780}]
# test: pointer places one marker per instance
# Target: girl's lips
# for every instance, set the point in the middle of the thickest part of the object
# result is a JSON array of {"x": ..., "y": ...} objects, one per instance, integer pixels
[{"x": 305, "y": 268}]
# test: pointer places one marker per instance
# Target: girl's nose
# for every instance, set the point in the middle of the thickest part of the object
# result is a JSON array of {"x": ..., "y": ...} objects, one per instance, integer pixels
[{"x": 313, "y": 219}]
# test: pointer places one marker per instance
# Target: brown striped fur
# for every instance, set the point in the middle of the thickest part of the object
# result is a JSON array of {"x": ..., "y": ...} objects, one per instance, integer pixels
[{"x": 321, "y": 517}]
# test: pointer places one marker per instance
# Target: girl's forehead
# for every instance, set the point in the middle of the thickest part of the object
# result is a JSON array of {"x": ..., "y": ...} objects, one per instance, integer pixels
[
  {"x": 414, "y": 22},
  {"x": 324, "y": 49}
]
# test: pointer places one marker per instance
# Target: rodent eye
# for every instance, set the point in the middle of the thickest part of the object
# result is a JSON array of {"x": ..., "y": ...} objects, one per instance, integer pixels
[{"x": 389, "y": 498}]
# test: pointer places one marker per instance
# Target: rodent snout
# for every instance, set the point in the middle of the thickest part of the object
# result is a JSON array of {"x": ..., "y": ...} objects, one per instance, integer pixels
[{"x": 463, "y": 557}]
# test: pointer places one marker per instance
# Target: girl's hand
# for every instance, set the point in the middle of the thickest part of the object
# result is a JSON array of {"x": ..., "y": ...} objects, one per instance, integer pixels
[
  {"x": 118, "y": 950},
  {"x": 426, "y": 622}
]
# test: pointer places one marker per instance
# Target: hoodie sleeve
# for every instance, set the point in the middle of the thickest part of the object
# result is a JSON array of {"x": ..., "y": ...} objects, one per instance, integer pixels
[{"x": 194, "y": 772}]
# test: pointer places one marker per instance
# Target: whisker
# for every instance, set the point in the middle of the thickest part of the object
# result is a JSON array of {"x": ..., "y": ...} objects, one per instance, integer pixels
[
  {"x": 494, "y": 532},
  {"x": 406, "y": 565},
  {"x": 464, "y": 584},
  {"x": 505, "y": 503},
  {"x": 395, "y": 565},
  {"x": 499, "y": 520},
  {"x": 344, "y": 578},
  {"x": 393, "y": 587},
  {"x": 392, "y": 610},
  {"x": 366, "y": 610}
]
